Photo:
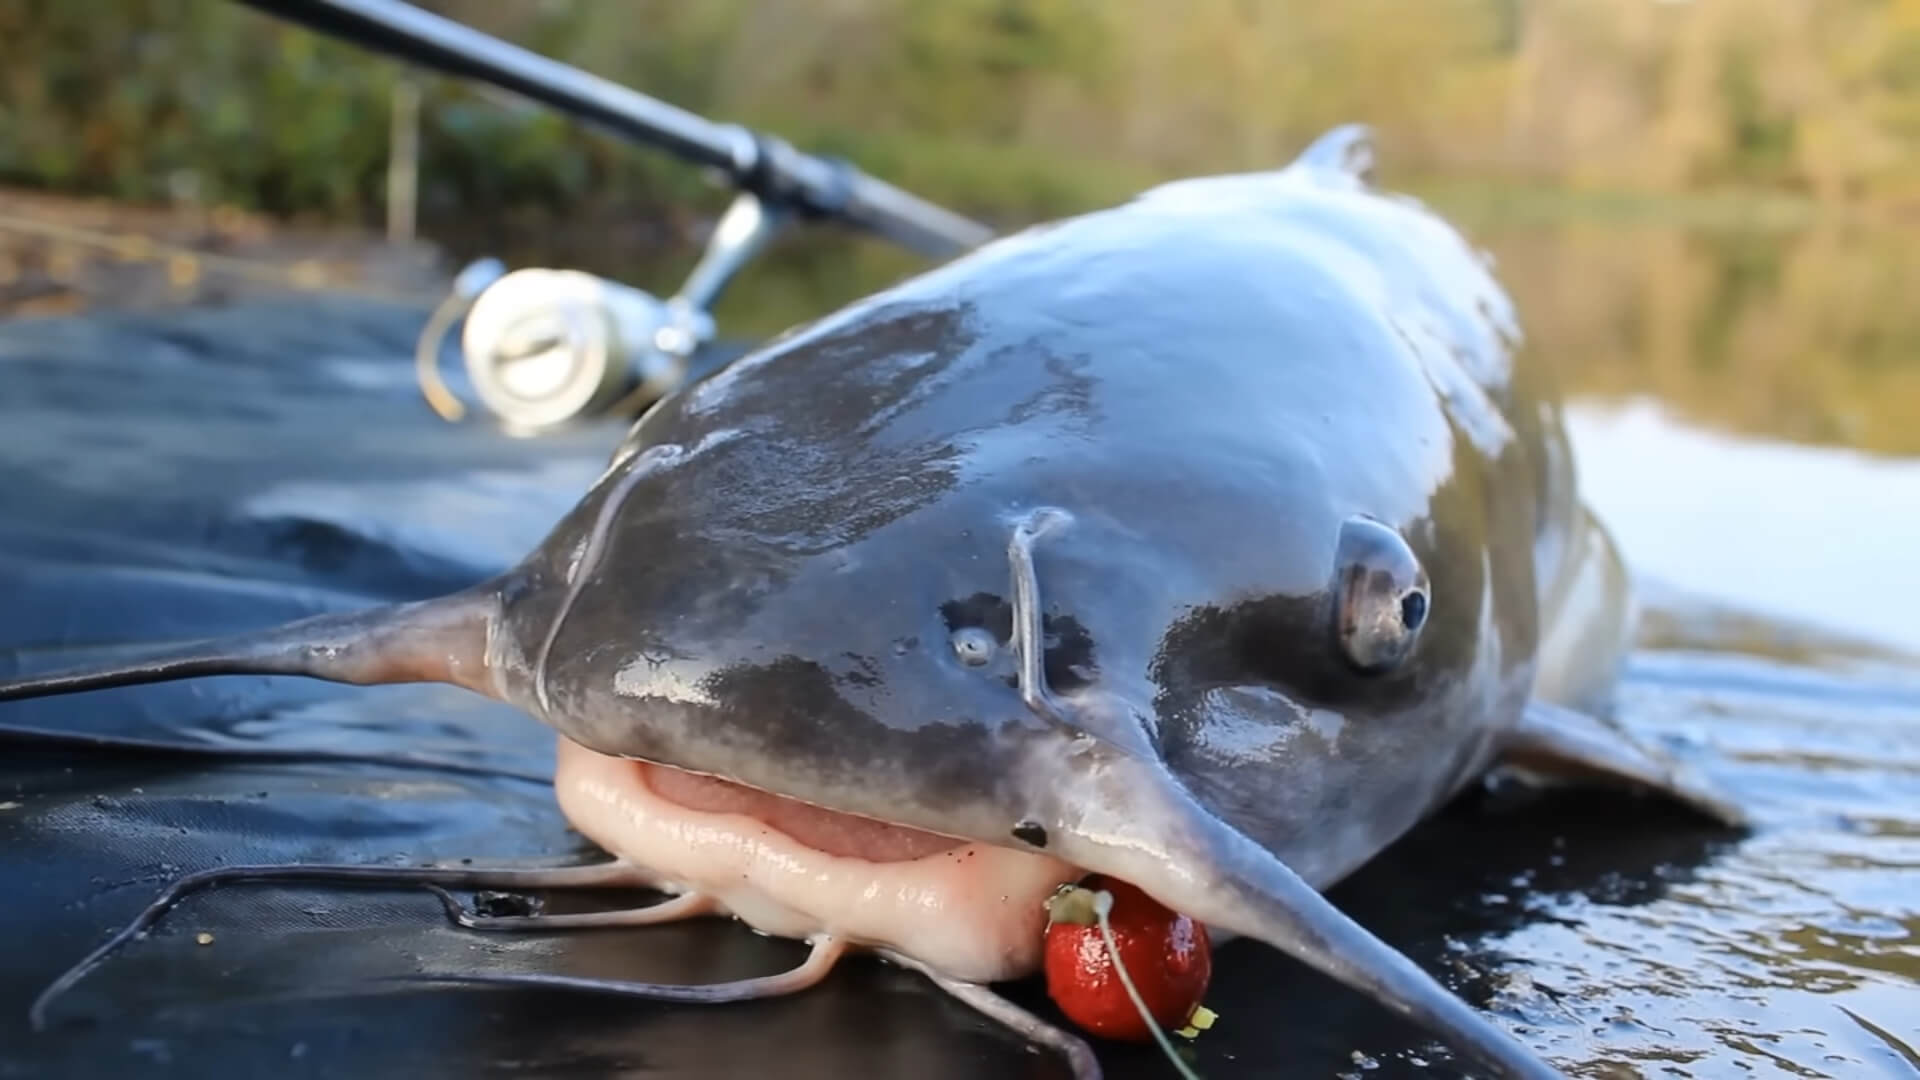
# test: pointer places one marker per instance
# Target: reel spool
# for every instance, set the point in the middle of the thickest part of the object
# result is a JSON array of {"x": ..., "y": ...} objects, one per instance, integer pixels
[{"x": 545, "y": 347}]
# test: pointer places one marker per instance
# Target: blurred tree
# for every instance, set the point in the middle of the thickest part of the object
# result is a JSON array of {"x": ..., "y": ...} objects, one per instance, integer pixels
[{"x": 1010, "y": 108}]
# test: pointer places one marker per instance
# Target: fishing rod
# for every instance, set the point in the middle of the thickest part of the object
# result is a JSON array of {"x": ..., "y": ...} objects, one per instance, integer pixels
[{"x": 545, "y": 346}]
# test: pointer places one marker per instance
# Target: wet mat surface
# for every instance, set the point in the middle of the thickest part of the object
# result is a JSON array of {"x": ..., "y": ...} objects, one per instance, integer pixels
[{"x": 207, "y": 472}]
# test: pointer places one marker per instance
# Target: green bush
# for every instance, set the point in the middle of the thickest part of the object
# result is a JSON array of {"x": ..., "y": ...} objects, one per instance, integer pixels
[{"x": 1009, "y": 109}]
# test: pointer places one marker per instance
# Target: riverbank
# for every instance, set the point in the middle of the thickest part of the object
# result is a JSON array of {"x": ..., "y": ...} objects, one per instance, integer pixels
[{"x": 63, "y": 255}]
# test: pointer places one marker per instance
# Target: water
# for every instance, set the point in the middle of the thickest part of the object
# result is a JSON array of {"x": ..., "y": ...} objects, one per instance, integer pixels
[
  {"x": 1797, "y": 951},
  {"x": 1817, "y": 534},
  {"x": 1744, "y": 410}
]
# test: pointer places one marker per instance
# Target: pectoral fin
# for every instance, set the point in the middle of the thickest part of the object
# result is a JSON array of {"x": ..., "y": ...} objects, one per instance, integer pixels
[{"x": 1567, "y": 746}]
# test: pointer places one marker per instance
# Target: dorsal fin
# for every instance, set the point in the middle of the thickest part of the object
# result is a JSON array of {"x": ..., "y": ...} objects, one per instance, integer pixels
[{"x": 1347, "y": 151}]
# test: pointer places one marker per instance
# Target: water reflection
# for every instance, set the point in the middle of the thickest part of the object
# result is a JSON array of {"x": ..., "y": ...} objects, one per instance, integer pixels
[
  {"x": 1821, "y": 534},
  {"x": 1633, "y": 942},
  {"x": 1806, "y": 336}
]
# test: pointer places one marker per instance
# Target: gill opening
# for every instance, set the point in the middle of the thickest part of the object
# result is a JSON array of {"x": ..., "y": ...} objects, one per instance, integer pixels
[{"x": 591, "y": 555}]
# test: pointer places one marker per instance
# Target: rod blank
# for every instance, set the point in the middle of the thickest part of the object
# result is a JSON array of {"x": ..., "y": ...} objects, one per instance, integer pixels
[{"x": 760, "y": 163}]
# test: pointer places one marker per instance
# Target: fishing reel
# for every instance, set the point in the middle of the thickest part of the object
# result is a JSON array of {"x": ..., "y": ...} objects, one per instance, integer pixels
[{"x": 545, "y": 347}]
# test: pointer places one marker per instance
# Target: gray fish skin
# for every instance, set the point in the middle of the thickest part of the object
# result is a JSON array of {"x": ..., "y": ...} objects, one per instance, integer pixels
[{"x": 1210, "y": 379}]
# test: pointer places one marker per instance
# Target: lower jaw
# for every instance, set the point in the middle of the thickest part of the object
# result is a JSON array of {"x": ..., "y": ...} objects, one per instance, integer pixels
[{"x": 972, "y": 911}]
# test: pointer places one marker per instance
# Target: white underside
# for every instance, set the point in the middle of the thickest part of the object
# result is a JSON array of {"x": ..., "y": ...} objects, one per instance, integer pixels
[{"x": 968, "y": 910}]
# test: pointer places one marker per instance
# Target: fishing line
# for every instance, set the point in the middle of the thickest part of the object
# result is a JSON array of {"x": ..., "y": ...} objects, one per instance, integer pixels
[{"x": 1102, "y": 907}]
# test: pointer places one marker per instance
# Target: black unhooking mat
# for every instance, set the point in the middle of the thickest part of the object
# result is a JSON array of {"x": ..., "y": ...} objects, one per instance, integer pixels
[{"x": 208, "y": 471}]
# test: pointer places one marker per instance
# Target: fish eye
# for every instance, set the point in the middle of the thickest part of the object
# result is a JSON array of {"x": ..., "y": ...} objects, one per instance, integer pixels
[
  {"x": 974, "y": 645},
  {"x": 1381, "y": 596},
  {"x": 1413, "y": 609}
]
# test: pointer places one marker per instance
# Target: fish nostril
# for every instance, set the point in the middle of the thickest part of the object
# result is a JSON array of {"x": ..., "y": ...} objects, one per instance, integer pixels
[{"x": 974, "y": 645}]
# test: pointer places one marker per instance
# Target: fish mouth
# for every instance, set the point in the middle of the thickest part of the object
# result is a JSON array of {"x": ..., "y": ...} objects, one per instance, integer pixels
[
  {"x": 973, "y": 910},
  {"x": 829, "y": 832}
]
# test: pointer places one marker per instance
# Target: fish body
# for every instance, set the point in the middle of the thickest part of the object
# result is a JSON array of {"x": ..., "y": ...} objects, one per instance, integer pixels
[
  {"x": 1211, "y": 380},
  {"x": 1209, "y": 541}
]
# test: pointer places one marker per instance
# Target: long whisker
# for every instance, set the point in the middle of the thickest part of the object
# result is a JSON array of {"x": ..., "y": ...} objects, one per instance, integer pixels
[
  {"x": 826, "y": 953},
  {"x": 612, "y": 874},
  {"x": 685, "y": 906},
  {"x": 981, "y": 998}
]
